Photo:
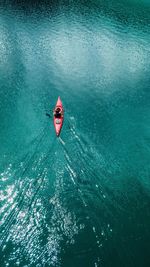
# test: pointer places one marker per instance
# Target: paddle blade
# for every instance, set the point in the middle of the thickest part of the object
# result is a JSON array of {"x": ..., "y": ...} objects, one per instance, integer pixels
[{"x": 48, "y": 115}]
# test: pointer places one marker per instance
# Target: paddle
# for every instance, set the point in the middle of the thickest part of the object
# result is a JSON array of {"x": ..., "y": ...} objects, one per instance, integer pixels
[{"x": 48, "y": 115}]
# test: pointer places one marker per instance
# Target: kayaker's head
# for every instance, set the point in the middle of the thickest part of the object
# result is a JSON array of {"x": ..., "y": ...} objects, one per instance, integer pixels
[{"x": 57, "y": 110}]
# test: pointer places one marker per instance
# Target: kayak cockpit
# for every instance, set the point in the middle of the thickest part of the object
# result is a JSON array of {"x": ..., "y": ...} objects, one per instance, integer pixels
[{"x": 57, "y": 116}]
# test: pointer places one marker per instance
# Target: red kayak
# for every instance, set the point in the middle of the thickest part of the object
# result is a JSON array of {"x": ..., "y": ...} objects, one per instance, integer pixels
[{"x": 58, "y": 116}]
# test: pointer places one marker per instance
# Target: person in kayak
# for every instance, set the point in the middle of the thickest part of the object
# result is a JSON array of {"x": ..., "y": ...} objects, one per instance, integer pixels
[{"x": 58, "y": 113}]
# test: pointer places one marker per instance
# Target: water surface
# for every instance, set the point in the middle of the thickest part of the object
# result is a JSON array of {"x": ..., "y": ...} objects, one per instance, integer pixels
[{"x": 82, "y": 199}]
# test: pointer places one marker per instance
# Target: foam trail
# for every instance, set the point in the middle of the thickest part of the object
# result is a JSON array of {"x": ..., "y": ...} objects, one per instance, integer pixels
[{"x": 62, "y": 142}]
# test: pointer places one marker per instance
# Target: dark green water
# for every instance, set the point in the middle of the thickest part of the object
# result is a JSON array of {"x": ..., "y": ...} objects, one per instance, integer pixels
[{"x": 82, "y": 200}]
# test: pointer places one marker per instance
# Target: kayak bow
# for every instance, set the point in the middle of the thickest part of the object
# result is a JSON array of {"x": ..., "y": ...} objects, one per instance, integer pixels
[{"x": 58, "y": 121}]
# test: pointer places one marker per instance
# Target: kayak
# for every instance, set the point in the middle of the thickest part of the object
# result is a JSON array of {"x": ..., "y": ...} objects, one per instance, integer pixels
[{"x": 58, "y": 121}]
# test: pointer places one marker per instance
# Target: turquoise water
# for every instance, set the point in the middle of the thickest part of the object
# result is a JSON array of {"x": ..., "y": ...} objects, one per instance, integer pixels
[{"x": 82, "y": 199}]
